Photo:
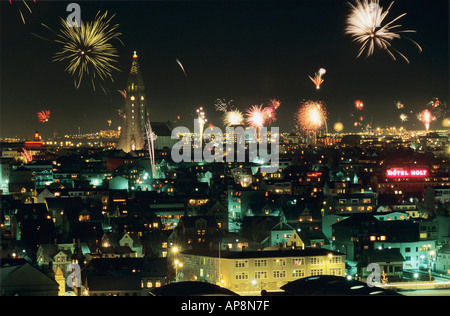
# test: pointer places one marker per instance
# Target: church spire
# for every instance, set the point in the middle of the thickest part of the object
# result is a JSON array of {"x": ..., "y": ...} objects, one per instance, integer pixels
[
  {"x": 135, "y": 111},
  {"x": 135, "y": 76}
]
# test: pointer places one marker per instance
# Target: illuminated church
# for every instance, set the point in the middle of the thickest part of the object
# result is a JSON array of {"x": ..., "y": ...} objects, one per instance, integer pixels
[{"x": 135, "y": 114}]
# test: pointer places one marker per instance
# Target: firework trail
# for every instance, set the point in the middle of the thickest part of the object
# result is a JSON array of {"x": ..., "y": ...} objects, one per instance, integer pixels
[
  {"x": 123, "y": 93},
  {"x": 43, "y": 116},
  {"x": 87, "y": 49},
  {"x": 365, "y": 24},
  {"x": 311, "y": 116},
  {"x": 20, "y": 10},
  {"x": 181, "y": 66},
  {"x": 27, "y": 156},
  {"x": 201, "y": 116},
  {"x": 151, "y": 137}
]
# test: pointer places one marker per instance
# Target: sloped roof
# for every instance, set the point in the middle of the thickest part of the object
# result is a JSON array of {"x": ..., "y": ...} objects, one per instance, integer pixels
[
  {"x": 24, "y": 278},
  {"x": 383, "y": 255}
]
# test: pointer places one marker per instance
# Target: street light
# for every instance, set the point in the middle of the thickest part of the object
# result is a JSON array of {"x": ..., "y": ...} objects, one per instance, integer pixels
[
  {"x": 177, "y": 263},
  {"x": 430, "y": 254}
]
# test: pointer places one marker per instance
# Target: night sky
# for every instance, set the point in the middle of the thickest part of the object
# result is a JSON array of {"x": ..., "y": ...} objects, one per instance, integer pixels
[{"x": 245, "y": 51}]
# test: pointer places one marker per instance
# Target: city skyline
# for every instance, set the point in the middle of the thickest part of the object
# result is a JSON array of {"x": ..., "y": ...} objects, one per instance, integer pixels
[{"x": 245, "y": 51}]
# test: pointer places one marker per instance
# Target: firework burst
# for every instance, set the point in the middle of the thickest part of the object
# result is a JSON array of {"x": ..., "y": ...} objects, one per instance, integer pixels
[
  {"x": 446, "y": 122},
  {"x": 256, "y": 116},
  {"x": 317, "y": 79},
  {"x": 311, "y": 116},
  {"x": 87, "y": 49},
  {"x": 359, "y": 104},
  {"x": 426, "y": 117},
  {"x": 233, "y": 117},
  {"x": 439, "y": 109},
  {"x": 338, "y": 127},
  {"x": 270, "y": 111},
  {"x": 365, "y": 24},
  {"x": 403, "y": 117},
  {"x": 43, "y": 116},
  {"x": 399, "y": 105},
  {"x": 221, "y": 105}
]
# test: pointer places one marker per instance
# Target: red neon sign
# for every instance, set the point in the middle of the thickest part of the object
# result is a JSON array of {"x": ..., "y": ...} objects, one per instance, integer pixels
[{"x": 395, "y": 173}]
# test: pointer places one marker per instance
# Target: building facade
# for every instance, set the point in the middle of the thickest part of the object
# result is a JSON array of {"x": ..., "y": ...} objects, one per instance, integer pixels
[{"x": 259, "y": 270}]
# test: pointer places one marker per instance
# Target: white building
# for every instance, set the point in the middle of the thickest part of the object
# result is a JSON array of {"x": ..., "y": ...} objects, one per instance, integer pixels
[{"x": 415, "y": 253}]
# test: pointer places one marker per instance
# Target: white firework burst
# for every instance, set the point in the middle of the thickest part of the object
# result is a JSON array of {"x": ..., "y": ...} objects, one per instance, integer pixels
[{"x": 366, "y": 25}]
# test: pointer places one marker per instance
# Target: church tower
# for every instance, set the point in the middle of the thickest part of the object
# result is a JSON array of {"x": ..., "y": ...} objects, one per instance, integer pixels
[
  {"x": 61, "y": 280},
  {"x": 132, "y": 133}
]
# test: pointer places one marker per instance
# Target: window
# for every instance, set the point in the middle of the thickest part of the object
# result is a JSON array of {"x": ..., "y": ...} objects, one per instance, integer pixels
[
  {"x": 261, "y": 263},
  {"x": 241, "y": 263},
  {"x": 336, "y": 259},
  {"x": 298, "y": 273},
  {"x": 298, "y": 261},
  {"x": 279, "y": 274},
  {"x": 242, "y": 276},
  {"x": 335, "y": 271},
  {"x": 260, "y": 274},
  {"x": 316, "y": 260},
  {"x": 201, "y": 232},
  {"x": 279, "y": 262},
  {"x": 315, "y": 272}
]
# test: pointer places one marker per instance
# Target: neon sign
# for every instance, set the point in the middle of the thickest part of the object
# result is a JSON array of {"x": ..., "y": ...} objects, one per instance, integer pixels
[{"x": 414, "y": 173}]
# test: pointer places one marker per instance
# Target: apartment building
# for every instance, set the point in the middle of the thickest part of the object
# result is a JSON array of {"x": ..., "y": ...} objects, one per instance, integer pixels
[{"x": 259, "y": 270}]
